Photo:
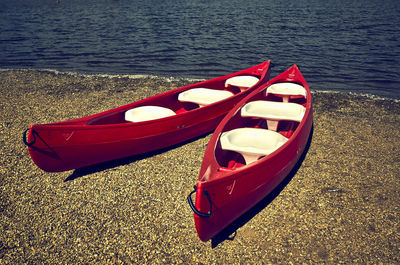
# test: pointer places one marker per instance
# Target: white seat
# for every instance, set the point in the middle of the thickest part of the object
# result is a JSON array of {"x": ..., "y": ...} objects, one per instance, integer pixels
[
  {"x": 146, "y": 113},
  {"x": 273, "y": 112},
  {"x": 203, "y": 96},
  {"x": 252, "y": 143},
  {"x": 242, "y": 81},
  {"x": 286, "y": 89}
]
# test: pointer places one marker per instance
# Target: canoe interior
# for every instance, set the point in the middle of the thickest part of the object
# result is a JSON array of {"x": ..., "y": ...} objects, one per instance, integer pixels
[
  {"x": 231, "y": 160},
  {"x": 167, "y": 100}
]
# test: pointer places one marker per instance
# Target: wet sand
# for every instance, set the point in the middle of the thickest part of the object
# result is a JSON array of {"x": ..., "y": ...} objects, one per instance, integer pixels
[{"x": 341, "y": 206}]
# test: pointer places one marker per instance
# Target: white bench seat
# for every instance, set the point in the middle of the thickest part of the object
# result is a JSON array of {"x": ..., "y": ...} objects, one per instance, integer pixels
[
  {"x": 252, "y": 143},
  {"x": 146, "y": 113},
  {"x": 242, "y": 81},
  {"x": 286, "y": 89},
  {"x": 204, "y": 96},
  {"x": 273, "y": 112}
]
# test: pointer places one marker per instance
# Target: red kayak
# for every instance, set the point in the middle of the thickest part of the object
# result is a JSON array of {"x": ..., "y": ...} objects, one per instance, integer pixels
[
  {"x": 252, "y": 150},
  {"x": 143, "y": 126}
]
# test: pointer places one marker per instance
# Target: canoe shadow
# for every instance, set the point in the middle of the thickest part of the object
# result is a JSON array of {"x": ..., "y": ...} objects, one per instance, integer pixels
[
  {"x": 229, "y": 232},
  {"x": 84, "y": 171}
]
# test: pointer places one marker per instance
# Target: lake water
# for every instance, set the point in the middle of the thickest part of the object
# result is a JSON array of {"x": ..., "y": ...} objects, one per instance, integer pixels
[{"x": 341, "y": 45}]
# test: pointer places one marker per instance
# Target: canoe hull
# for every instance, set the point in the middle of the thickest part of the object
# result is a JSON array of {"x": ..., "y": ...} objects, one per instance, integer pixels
[
  {"x": 233, "y": 197},
  {"x": 107, "y": 136},
  {"x": 232, "y": 192},
  {"x": 75, "y": 148}
]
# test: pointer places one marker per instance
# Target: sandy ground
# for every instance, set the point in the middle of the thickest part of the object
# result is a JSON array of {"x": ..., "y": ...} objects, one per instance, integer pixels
[{"x": 342, "y": 205}]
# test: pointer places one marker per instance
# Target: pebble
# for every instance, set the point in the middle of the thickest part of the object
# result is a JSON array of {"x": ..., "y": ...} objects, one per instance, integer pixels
[{"x": 340, "y": 207}]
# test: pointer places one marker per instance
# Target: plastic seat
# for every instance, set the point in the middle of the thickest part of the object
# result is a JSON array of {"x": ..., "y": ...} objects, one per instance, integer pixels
[
  {"x": 242, "y": 81},
  {"x": 204, "y": 96},
  {"x": 147, "y": 113},
  {"x": 287, "y": 90},
  {"x": 273, "y": 112},
  {"x": 252, "y": 143}
]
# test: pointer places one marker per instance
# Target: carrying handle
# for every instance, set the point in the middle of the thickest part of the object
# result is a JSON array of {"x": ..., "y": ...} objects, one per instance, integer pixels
[
  {"x": 24, "y": 138},
  {"x": 191, "y": 204}
]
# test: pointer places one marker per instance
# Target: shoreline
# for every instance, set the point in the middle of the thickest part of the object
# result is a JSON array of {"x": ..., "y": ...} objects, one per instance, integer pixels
[
  {"x": 172, "y": 79},
  {"x": 342, "y": 205},
  {"x": 101, "y": 75}
]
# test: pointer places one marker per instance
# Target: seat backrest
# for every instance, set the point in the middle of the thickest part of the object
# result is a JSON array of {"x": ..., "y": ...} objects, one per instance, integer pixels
[
  {"x": 242, "y": 81},
  {"x": 270, "y": 110},
  {"x": 146, "y": 113},
  {"x": 252, "y": 143},
  {"x": 287, "y": 88},
  {"x": 203, "y": 96}
]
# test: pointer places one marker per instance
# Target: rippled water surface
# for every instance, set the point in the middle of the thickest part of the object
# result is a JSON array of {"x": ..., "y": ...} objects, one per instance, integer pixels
[{"x": 342, "y": 45}]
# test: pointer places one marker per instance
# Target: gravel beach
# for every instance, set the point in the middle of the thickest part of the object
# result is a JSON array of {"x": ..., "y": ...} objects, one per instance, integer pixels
[{"x": 342, "y": 205}]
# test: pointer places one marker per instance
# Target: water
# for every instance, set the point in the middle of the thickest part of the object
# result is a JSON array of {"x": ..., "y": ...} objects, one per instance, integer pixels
[{"x": 340, "y": 45}]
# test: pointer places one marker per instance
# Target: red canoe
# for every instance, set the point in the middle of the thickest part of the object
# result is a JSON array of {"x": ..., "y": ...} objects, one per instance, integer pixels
[
  {"x": 252, "y": 150},
  {"x": 143, "y": 126}
]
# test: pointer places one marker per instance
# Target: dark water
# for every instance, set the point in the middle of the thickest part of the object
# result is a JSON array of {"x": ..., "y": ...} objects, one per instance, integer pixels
[{"x": 343, "y": 45}]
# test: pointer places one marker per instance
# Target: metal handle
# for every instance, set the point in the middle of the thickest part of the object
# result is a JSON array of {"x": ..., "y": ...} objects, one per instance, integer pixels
[
  {"x": 25, "y": 139},
  {"x": 191, "y": 204}
]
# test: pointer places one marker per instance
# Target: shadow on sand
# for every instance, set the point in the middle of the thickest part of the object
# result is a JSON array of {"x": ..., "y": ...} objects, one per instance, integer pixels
[
  {"x": 81, "y": 172},
  {"x": 229, "y": 232}
]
